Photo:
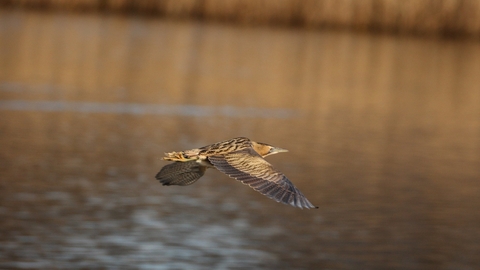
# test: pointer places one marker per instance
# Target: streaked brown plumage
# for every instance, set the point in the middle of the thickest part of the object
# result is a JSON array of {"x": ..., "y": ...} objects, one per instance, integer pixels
[{"x": 241, "y": 159}]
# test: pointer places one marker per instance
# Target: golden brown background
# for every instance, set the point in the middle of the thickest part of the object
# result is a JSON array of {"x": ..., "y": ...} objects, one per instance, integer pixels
[{"x": 382, "y": 124}]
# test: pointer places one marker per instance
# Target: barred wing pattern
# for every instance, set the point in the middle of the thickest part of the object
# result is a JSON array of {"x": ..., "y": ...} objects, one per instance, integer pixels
[
  {"x": 251, "y": 169},
  {"x": 180, "y": 173}
]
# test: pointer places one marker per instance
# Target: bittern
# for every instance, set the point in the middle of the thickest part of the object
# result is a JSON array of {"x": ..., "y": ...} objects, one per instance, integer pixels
[{"x": 239, "y": 158}]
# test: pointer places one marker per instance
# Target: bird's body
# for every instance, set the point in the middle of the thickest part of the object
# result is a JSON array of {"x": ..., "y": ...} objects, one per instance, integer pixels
[{"x": 241, "y": 159}]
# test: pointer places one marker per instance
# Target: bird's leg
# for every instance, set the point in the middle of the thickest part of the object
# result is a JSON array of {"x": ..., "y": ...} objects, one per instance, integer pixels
[{"x": 177, "y": 156}]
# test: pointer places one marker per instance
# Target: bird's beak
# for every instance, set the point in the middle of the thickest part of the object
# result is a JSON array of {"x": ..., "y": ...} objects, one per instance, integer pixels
[{"x": 275, "y": 150}]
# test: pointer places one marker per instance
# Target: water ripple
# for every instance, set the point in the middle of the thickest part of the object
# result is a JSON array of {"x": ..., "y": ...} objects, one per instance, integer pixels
[{"x": 144, "y": 109}]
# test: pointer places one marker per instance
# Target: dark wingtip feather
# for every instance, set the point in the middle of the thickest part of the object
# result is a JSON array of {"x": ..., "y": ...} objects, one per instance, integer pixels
[{"x": 180, "y": 173}]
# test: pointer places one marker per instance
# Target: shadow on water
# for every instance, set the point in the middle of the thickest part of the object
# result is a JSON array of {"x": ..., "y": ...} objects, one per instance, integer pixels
[{"x": 383, "y": 133}]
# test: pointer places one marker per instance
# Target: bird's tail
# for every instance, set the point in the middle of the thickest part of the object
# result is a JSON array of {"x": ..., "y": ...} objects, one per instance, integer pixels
[{"x": 180, "y": 173}]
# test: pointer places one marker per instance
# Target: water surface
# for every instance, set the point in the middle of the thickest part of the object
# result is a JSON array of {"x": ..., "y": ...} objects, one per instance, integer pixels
[{"x": 383, "y": 133}]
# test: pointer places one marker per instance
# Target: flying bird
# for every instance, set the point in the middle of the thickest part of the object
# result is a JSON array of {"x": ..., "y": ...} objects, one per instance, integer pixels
[{"x": 239, "y": 158}]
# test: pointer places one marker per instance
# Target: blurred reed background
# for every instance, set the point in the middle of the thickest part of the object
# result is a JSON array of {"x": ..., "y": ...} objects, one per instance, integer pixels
[{"x": 434, "y": 17}]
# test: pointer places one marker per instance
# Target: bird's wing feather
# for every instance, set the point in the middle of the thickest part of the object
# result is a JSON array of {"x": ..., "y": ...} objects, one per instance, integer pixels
[
  {"x": 251, "y": 169},
  {"x": 180, "y": 173}
]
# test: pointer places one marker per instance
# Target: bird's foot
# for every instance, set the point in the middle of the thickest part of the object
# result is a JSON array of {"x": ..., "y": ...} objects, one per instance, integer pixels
[{"x": 176, "y": 156}]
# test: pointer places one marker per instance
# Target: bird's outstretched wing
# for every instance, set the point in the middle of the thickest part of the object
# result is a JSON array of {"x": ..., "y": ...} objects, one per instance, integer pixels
[
  {"x": 251, "y": 169},
  {"x": 180, "y": 173}
]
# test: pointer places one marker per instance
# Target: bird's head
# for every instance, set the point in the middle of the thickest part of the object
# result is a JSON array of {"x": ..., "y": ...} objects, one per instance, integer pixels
[{"x": 264, "y": 149}]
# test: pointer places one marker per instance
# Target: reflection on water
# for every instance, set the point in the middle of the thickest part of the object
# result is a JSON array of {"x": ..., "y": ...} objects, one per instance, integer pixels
[{"x": 383, "y": 133}]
